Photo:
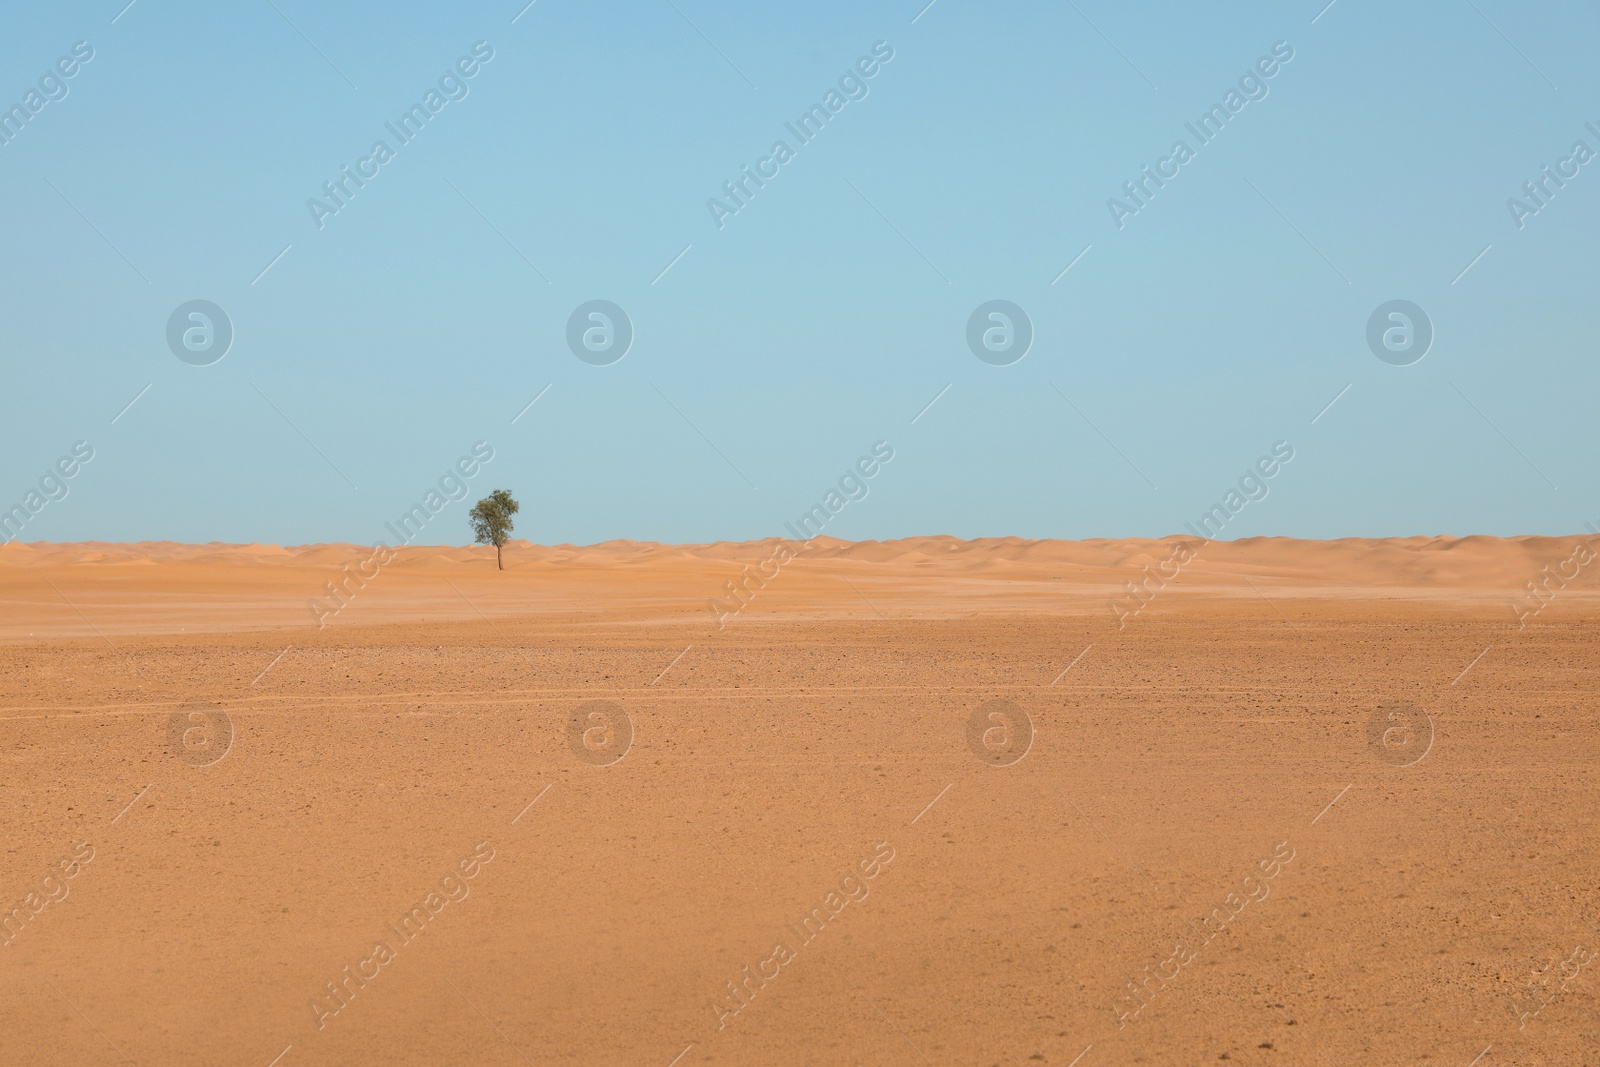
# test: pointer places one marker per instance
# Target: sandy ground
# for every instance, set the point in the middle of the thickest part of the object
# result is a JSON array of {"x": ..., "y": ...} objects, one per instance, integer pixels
[{"x": 1313, "y": 803}]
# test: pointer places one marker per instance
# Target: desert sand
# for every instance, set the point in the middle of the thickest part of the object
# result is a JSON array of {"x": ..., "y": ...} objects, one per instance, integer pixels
[{"x": 915, "y": 802}]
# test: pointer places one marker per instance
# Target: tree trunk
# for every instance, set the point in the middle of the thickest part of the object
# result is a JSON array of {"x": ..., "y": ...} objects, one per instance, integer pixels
[{"x": 497, "y": 560}]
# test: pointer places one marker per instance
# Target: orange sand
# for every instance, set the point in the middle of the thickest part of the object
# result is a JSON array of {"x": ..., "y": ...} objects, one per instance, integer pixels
[{"x": 1119, "y": 886}]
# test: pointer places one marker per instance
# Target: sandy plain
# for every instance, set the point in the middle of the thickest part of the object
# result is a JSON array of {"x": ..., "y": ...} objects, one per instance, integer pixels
[{"x": 1314, "y": 803}]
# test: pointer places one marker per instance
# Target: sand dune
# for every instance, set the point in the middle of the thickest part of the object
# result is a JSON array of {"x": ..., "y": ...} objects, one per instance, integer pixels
[
  {"x": 1203, "y": 835},
  {"x": 163, "y": 586}
]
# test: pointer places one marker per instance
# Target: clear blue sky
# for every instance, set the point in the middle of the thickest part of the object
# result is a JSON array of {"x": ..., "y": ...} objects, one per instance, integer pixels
[{"x": 827, "y": 313}]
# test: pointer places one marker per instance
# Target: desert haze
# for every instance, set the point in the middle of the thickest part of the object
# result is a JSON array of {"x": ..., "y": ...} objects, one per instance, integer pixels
[
  {"x": 165, "y": 587},
  {"x": 905, "y": 802}
]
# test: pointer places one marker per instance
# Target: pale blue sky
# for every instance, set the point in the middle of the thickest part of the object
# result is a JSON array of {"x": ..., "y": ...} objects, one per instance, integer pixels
[{"x": 826, "y": 314}]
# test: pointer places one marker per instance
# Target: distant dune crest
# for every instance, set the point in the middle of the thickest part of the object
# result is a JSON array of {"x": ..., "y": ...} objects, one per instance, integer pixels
[{"x": 96, "y": 589}]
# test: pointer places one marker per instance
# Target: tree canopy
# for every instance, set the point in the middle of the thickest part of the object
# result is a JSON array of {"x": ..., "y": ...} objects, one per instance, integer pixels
[{"x": 491, "y": 521}]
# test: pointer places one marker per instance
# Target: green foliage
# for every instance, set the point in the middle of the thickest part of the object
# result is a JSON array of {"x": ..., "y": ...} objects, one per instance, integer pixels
[{"x": 491, "y": 518}]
